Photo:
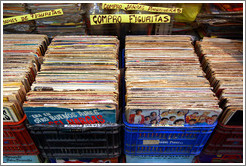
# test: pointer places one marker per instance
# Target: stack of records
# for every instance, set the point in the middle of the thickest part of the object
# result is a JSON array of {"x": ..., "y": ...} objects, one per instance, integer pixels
[
  {"x": 221, "y": 20},
  {"x": 17, "y": 9},
  {"x": 70, "y": 23},
  {"x": 179, "y": 27},
  {"x": 165, "y": 84},
  {"x": 222, "y": 60},
  {"x": 78, "y": 82},
  {"x": 21, "y": 61}
]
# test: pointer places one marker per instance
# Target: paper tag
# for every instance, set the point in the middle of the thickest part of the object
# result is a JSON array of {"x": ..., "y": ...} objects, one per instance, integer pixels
[
  {"x": 151, "y": 142},
  {"x": 129, "y": 18},
  {"x": 28, "y": 17},
  {"x": 140, "y": 8}
]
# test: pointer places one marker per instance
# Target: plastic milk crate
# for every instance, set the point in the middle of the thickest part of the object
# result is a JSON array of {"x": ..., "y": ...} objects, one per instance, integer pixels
[
  {"x": 220, "y": 158},
  {"x": 148, "y": 140},
  {"x": 225, "y": 140},
  {"x": 16, "y": 139},
  {"x": 160, "y": 159},
  {"x": 76, "y": 141}
]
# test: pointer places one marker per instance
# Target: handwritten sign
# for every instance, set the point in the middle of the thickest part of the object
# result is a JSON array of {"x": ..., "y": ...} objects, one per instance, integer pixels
[
  {"x": 140, "y": 7},
  {"x": 28, "y": 17},
  {"x": 128, "y": 18}
]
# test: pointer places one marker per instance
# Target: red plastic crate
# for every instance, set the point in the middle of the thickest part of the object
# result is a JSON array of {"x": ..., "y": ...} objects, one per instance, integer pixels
[
  {"x": 196, "y": 160},
  {"x": 16, "y": 139},
  {"x": 220, "y": 158},
  {"x": 225, "y": 140}
]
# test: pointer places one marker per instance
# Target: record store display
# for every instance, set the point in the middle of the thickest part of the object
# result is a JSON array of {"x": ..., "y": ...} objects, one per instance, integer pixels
[
  {"x": 16, "y": 9},
  {"x": 165, "y": 84},
  {"x": 122, "y": 82},
  {"x": 222, "y": 60},
  {"x": 78, "y": 82},
  {"x": 22, "y": 56},
  {"x": 224, "y": 20}
]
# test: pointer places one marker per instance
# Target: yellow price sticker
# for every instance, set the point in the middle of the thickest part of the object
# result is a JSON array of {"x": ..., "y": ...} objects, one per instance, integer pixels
[
  {"x": 12, "y": 84},
  {"x": 140, "y": 8},
  {"x": 129, "y": 18},
  {"x": 28, "y": 17}
]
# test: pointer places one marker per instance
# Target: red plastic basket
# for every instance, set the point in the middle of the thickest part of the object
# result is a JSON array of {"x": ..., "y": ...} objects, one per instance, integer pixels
[
  {"x": 221, "y": 158},
  {"x": 225, "y": 140},
  {"x": 16, "y": 139},
  {"x": 196, "y": 160}
]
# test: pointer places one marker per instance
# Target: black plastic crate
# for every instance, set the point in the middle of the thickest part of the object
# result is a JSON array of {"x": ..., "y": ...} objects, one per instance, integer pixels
[{"x": 76, "y": 141}]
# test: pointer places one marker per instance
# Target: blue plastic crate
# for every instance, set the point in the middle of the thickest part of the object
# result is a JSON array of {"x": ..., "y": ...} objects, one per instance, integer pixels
[
  {"x": 160, "y": 159},
  {"x": 143, "y": 140}
]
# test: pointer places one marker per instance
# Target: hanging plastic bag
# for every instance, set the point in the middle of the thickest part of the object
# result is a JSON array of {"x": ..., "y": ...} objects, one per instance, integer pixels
[{"x": 190, "y": 11}]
